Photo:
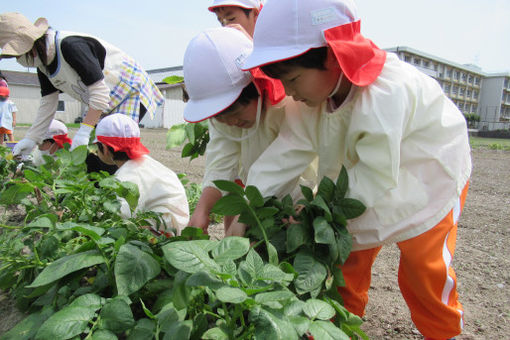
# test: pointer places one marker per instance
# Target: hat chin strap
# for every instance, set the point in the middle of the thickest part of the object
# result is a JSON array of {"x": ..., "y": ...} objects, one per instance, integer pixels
[
  {"x": 335, "y": 90},
  {"x": 253, "y": 129}
]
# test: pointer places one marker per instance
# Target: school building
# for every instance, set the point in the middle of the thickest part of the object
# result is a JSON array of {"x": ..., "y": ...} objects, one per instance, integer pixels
[{"x": 472, "y": 90}]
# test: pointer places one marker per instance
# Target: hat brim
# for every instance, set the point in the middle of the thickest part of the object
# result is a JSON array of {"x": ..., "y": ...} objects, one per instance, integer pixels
[
  {"x": 197, "y": 110},
  {"x": 265, "y": 56},
  {"x": 22, "y": 45},
  {"x": 229, "y": 4}
]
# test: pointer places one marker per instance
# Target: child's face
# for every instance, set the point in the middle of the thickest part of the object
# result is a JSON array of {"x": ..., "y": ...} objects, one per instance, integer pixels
[
  {"x": 235, "y": 15},
  {"x": 242, "y": 116},
  {"x": 49, "y": 145},
  {"x": 310, "y": 85},
  {"x": 105, "y": 156}
]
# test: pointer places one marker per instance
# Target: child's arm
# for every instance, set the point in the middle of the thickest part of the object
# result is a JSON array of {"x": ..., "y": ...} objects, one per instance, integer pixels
[
  {"x": 200, "y": 217},
  {"x": 14, "y": 119}
]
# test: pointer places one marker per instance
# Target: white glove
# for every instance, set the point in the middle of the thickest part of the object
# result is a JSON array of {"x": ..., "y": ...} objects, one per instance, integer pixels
[
  {"x": 82, "y": 137},
  {"x": 23, "y": 147}
]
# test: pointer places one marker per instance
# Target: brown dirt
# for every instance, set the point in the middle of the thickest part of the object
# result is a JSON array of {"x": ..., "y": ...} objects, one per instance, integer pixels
[{"x": 482, "y": 260}]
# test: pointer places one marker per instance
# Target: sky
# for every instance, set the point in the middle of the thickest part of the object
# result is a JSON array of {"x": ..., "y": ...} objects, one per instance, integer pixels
[{"x": 156, "y": 32}]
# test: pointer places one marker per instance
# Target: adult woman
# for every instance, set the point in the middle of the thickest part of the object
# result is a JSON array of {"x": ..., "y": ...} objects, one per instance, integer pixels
[{"x": 86, "y": 68}]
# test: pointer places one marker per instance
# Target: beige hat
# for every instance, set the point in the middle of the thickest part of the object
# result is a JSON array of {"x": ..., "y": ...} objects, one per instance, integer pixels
[{"x": 18, "y": 34}]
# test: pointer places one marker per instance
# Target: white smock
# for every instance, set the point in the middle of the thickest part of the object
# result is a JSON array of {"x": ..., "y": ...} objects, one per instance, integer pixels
[
  {"x": 227, "y": 159},
  {"x": 160, "y": 191},
  {"x": 403, "y": 142}
]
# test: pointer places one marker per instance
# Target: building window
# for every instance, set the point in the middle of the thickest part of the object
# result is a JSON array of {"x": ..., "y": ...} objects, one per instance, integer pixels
[
  {"x": 455, "y": 89},
  {"x": 407, "y": 59},
  {"x": 448, "y": 73},
  {"x": 417, "y": 61},
  {"x": 464, "y": 77},
  {"x": 61, "y": 105},
  {"x": 477, "y": 81},
  {"x": 506, "y": 82},
  {"x": 447, "y": 89},
  {"x": 456, "y": 75},
  {"x": 475, "y": 94},
  {"x": 435, "y": 67},
  {"x": 462, "y": 91},
  {"x": 469, "y": 93},
  {"x": 475, "y": 108},
  {"x": 470, "y": 79},
  {"x": 426, "y": 63}
]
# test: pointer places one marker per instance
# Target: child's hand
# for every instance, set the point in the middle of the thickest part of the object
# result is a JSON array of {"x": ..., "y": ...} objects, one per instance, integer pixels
[
  {"x": 236, "y": 229},
  {"x": 200, "y": 220}
]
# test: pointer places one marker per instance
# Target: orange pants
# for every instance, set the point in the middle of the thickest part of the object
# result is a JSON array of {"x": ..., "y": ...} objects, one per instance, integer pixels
[{"x": 426, "y": 279}]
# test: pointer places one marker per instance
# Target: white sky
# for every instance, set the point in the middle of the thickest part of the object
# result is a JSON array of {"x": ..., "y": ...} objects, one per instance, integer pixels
[{"x": 156, "y": 32}]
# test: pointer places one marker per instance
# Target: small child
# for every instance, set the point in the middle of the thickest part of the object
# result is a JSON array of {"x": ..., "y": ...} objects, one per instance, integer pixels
[
  {"x": 403, "y": 142},
  {"x": 53, "y": 140},
  {"x": 118, "y": 142},
  {"x": 241, "y": 12},
  {"x": 7, "y": 115},
  {"x": 245, "y": 112}
]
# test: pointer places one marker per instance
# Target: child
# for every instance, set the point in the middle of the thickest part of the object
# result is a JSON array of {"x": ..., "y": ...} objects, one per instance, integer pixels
[
  {"x": 241, "y": 12},
  {"x": 53, "y": 140},
  {"x": 403, "y": 142},
  {"x": 7, "y": 115},
  {"x": 87, "y": 68},
  {"x": 245, "y": 112},
  {"x": 118, "y": 142}
]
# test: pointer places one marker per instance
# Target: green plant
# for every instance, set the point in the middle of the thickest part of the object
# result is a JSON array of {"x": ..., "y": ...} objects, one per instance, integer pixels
[{"x": 196, "y": 134}]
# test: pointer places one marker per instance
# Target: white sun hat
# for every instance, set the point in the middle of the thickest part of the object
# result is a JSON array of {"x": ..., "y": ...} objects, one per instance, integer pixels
[
  {"x": 248, "y": 4},
  {"x": 212, "y": 71},
  {"x": 56, "y": 128},
  {"x": 289, "y": 28},
  {"x": 121, "y": 133}
]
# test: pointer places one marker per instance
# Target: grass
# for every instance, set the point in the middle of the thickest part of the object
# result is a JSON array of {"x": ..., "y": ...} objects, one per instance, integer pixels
[
  {"x": 489, "y": 143},
  {"x": 69, "y": 125}
]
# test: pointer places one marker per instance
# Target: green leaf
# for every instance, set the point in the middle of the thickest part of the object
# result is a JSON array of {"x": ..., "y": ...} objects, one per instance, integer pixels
[
  {"x": 91, "y": 301},
  {"x": 254, "y": 196},
  {"x": 129, "y": 191},
  {"x": 326, "y": 330},
  {"x": 300, "y": 323},
  {"x": 297, "y": 235},
  {"x": 79, "y": 154},
  {"x": 215, "y": 333},
  {"x": 272, "y": 253},
  {"x": 179, "y": 330},
  {"x": 230, "y": 205},
  {"x": 143, "y": 330},
  {"x": 204, "y": 279},
  {"x": 307, "y": 193},
  {"x": 15, "y": 193},
  {"x": 318, "y": 309},
  {"x": 27, "y": 328},
  {"x": 66, "y": 323},
  {"x": 311, "y": 273},
  {"x": 344, "y": 242},
  {"x": 351, "y": 208},
  {"x": 277, "y": 295},
  {"x": 320, "y": 203},
  {"x": 67, "y": 265},
  {"x": 253, "y": 264},
  {"x": 271, "y": 325},
  {"x": 190, "y": 132},
  {"x": 342, "y": 184},
  {"x": 275, "y": 274},
  {"x": 173, "y": 79},
  {"x": 112, "y": 206},
  {"x": 175, "y": 136},
  {"x": 91, "y": 231},
  {"x": 231, "y": 295},
  {"x": 230, "y": 248},
  {"x": 133, "y": 269},
  {"x": 116, "y": 316},
  {"x": 326, "y": 189},
  {"x": 324, "y": 234},
  {"x": 266, "y": 212},
  {"x": 189, "y": 257},
  {"x": 43, "y": 221},
  {"x": 229, "y": 186},
  {"x": 103, "y": 334}
]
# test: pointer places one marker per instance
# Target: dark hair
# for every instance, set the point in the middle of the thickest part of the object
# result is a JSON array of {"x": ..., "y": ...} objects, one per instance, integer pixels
[
  {"x": 40, "y": 48},
  {"x": 313, "y": 58},
  {"x": 117, "y": 155},
  {"x": 248, "y": 94},
  {"x": 246, "y": 11}
]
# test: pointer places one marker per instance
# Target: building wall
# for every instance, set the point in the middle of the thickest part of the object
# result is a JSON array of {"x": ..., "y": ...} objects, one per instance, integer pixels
[
  {"x": 170, "y": 113},
  {"x": 27, "y": 99}
]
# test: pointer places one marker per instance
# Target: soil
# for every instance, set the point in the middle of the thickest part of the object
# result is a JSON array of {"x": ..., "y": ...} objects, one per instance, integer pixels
[{"x": 481, "y": 262}]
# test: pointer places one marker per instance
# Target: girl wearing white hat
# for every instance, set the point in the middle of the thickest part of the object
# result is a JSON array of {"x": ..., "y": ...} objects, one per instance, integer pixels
[
  {"x": 118, "y": 141},
  {"x": 245, "y": 110},
  {"x": 53, "y": 140},
  {"x": 85, "y": 67},
  {"x": 403, "y": 142},
  {"x": 240, "y": 12}
]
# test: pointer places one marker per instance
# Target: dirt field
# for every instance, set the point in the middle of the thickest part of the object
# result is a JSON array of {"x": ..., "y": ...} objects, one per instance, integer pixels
[{"x": 482, "y": 258}]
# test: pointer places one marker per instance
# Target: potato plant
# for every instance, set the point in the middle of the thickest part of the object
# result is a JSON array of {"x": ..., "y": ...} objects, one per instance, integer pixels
[{"x": 81, "y": 271}]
